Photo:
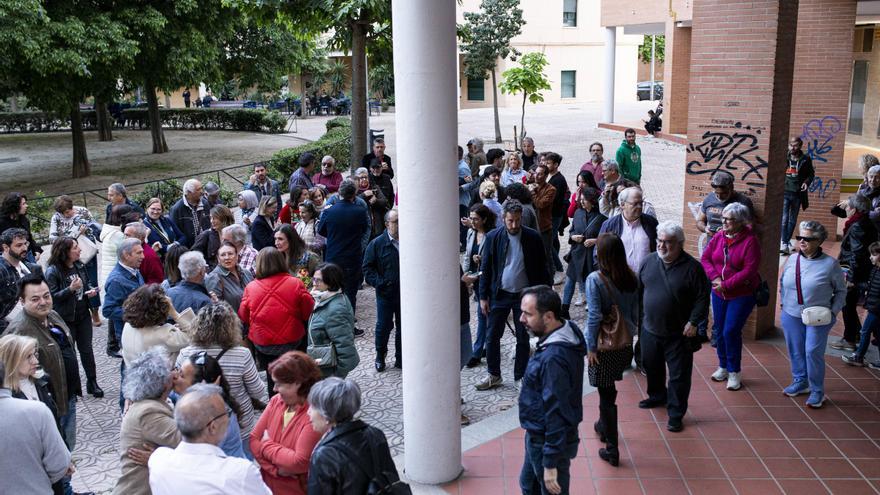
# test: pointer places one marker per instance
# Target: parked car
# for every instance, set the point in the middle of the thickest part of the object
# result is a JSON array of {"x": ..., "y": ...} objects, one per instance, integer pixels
[{"x": 643, "y": 90}]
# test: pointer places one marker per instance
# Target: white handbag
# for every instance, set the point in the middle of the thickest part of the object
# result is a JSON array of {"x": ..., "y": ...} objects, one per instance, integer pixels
[
  {"x": 87, "y": 249},
  {"x": 816, "y": 316}
]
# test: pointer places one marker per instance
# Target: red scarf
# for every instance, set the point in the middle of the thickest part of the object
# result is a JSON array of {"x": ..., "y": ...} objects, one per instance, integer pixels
[{"x": 851, "y": 220}]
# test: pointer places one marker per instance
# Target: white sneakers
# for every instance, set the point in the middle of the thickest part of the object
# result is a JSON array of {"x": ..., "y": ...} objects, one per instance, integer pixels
[
  {"x": 720, "y": 375},
  {"x": 784, "y": 248},
  {"x": 734, "y": 381}
]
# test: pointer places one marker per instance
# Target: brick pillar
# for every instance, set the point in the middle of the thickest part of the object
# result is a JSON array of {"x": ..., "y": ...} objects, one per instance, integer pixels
[
  {"x": 738, "y": 116},
  {"x": 820, "y": 105},
  {"x": 676, "y": 79}
]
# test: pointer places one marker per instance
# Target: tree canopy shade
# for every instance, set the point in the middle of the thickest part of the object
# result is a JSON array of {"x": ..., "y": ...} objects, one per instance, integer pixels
[
  {"x": 528, "y": 79},
  {"x": 56, "y": 53},
  {"x": 485, "y": 38}
]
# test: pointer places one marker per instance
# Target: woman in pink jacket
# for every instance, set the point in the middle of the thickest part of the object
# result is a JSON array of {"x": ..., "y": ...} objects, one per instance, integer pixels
[{"x": 731, "y": 261}]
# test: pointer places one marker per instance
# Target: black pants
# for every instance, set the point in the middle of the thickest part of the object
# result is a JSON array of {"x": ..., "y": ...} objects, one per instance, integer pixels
[
  {"x": 504, "y": 303},
  {"x": 81, "y": 331},
  {"x": 264, "y": 360},
  {"x": 351, "y": 283},
  {"x": 852, "y": 326},
  {"x": 463, "y": 212},
  {"x": 112, "y": 341},
  {"x": 658, "y": 352},
  {"x": 608, "y": 415}
]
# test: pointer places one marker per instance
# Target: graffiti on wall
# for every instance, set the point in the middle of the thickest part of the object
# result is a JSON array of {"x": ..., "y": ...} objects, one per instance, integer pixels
[
  {"x": 732, "y": 147},
  {"x": 822, "y": 186},
  {"x": 817, "y": 135}
]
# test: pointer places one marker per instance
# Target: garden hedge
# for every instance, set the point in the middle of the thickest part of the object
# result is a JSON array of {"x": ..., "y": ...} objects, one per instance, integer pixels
[
  {"x": 336, "y": 143},
  {"x": 13, "y": 122},
  {"x": 230, "y": 119}
]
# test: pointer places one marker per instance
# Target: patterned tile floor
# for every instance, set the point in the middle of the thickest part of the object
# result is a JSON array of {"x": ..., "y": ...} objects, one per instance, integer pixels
[{"x": 753, "y": 441}]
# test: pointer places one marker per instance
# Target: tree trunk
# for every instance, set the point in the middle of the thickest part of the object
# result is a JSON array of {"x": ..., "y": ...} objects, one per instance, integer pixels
[
  {"x": 495, "y": 107},
  {"x": 522, "y": 120},
  {"x": 81, "y": 165},
  {"x": 159, "y": 144},
  {"x": 105, "y": 125},
  {"x": 358, "y": 94}
]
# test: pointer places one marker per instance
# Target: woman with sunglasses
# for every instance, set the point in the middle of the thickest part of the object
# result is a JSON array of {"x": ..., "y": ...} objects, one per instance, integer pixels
[
  {"x": 811, "y": 279},
  {"x": 284, "y": 439},
  {"x": 731, "y": 262},
  {"x": 202, "y": 368}
]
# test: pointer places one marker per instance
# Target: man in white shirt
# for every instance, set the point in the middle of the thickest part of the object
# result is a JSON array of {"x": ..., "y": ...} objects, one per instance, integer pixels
[
  {"x": 198, "y": 465},
  {"x": 637, "y": 230}
]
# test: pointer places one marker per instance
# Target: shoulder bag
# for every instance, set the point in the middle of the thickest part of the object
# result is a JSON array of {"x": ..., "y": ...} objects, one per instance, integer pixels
[
  {"x": 87, "y": 248},
  {"x": 814, "y": 316},
  {"x": 323, "y": 354},
  {"x": 613, "y": 334}
]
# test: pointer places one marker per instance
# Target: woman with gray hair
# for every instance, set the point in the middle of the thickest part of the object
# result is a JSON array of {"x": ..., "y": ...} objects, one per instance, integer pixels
[
  {"x": 813, "y": 291},
  {"x": 731, "y": 262},
  {"x": 859, "y": 232},
  {"x": 349, "y": 448},
  {"x": 247, "y": 210},
  {"x": 148, "y": 420}
]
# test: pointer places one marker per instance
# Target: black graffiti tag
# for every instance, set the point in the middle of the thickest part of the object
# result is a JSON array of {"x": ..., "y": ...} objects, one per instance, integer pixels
[{"x": 734, "y": 152}]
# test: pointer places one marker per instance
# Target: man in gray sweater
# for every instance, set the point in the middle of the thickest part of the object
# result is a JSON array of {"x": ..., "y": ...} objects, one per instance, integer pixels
[
  {"x": 675, "y": 299},
  {"x": 32, "y": 453}
]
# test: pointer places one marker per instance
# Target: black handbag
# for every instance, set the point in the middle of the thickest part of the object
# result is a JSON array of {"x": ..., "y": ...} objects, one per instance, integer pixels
[{"x": 762, "y": 294}]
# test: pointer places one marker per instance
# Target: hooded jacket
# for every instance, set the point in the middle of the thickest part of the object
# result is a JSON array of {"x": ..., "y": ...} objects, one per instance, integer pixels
[
  {"x": 551, "y": 400},
  {"x": 735, "y": 264}
]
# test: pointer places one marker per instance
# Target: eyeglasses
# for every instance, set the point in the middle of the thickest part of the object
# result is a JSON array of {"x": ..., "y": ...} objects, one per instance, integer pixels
[
  {"x": 317, "y": 280},
  {"x": 806, "y": 239},
  {"x": 728, "y": 219},
  {"x": 228, "y": 414}
]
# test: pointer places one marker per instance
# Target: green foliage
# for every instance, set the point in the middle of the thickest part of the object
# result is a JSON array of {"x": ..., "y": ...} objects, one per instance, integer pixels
[
  {"x": 486, "y": 36},
  {"x": 659, "y": 49},
  {"x": 337, "y": 77},
  {"x": 12, "y": 122},
  {"x": 40, "y": 211},
  {"x": 171, "y": 190},
  {"x": 231, "y": 119},
  {"x": 382, "y": 80},
  {"x": 528, "y": 79},
  {"x": 336, "y": 143}
]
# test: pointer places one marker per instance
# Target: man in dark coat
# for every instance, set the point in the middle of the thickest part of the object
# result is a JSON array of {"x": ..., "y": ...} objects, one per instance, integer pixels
[
  {"x": 675, "y": 299},
  {"x": 191, "y": 212},
  {"x": 14, "y": 243},
  {"x": 506, "y": 273},
  {"x": 382, "y": 271}
]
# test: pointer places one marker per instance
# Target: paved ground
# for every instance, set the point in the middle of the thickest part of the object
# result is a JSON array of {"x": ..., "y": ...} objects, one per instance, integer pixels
[{"x": 565, "y": 129}]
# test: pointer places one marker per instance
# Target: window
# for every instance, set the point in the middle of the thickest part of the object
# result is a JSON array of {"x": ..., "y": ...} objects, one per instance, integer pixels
[
  {"x": 568, "y": 83},
  {"x": 475, "y": 90},
  {"x": 857, "y": 97},
  {"x": 569, "y": 13},
  {"x": 868, "y": 40}
]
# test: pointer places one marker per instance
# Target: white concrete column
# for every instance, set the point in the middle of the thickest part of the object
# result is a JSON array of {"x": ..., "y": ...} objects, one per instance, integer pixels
[
  {"x": 426, "y": 133},
  {"x": 610, "y": 55}
]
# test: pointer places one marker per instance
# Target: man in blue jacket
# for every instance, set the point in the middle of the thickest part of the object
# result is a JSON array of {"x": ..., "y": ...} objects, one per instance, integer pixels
[
  {"x": 550, "y": 402},
  {"x": 124, "y": 279},
  {"x": 513, "y": 259},
  {"x": 382, "y": 271}
]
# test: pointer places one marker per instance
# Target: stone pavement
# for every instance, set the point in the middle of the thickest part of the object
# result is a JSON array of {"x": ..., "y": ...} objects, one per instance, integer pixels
[{"x": 566, "y": 129}]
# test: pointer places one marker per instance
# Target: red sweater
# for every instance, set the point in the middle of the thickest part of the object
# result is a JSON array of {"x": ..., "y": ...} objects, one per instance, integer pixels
[
  {"x": 151, "y": 267},
  {"x": 287, "y": 449},
  {"x": 276, "y": 309},
  {"x": 331, "y": 182}
]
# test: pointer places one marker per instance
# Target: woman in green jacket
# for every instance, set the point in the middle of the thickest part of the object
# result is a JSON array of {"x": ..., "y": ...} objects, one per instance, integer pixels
[{"x": 332, "y": 321}]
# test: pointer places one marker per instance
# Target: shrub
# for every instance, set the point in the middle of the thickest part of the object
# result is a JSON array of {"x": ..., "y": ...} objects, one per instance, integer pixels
[
  {"x": 336, "y": 143},
  {"x": 231, "y": 119},
  {"x": 171, "y": 190},
  {"x": 339, "y": 122},
  {"x": 13, "y": 122}
]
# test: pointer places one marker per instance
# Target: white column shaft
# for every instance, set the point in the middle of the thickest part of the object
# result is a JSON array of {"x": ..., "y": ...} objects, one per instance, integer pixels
[
  {"x": 610, "y": 55},
  {"x": 425, "y": 75}
]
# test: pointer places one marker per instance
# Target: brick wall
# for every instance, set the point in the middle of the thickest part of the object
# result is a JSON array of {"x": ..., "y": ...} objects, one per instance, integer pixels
[
  {"x": 819, "y": 103},
  {"x": 677, "y": 74},
  {"x": 739, "y": 115}
]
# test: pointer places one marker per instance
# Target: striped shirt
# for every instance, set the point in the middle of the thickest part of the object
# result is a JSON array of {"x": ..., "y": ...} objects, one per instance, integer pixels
[{"x": 244, "y": 380}]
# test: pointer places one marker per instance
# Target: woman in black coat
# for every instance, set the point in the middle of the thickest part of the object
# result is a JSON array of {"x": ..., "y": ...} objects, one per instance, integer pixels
[
  {"x": 582, "y": 238},
  {"x": 858, "y": 233},
  {"x": 351, "y": 453},
  {"x": 71, "y": 289},
  {"x": 13, "y": 214},
  {"x": 263, "y": 228}
]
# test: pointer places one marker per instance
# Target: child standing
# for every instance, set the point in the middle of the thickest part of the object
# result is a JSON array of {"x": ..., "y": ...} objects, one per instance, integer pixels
[{"x": 872, "y": 321}]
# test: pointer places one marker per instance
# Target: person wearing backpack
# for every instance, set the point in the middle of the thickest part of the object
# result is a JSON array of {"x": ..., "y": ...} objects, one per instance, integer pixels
[{"x": 612, "y": 321}]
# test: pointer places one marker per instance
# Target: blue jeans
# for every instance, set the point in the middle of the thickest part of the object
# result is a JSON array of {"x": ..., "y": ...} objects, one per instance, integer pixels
[
  {"x": 729, "y": 318},
  {"x": 68, "y": 425},
  {"x": 531, "y": 477},
  {"x": 92, "y": 272},
  {"x": 465, "y": 343},
  {"x": 387, "y": 311},
  {"x": 568, "y": 290},
  {"x": 504, "y": 303},
  {"x": 791, "y": 205},
  {"x": 479, "y": 347},
  {"x": 806, "y": 349},
  {"x": 871, "y": 325}
]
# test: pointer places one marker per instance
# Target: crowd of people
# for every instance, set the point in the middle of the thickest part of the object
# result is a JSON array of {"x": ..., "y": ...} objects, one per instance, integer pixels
[{"x": 199, "y": 299}]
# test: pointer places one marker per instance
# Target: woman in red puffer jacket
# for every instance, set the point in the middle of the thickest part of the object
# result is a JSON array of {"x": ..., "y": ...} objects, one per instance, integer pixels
[{"x": 275, "y": 307}]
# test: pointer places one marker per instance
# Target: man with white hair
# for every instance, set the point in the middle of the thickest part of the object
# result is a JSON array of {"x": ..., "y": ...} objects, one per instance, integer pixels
[
  {"x": 124, "y": 279},
  {"x": 191, "y": 291},
  {"x": 328, "y": 176},
  {"x": 190, "y": 213},
  {"x": 198, "y": 464},
  {"x": 237, "y": 235},
  {"x": 675, "y": 299},
  {"x": 637, "y": 230},
  {"x": 151, "y": 267}
]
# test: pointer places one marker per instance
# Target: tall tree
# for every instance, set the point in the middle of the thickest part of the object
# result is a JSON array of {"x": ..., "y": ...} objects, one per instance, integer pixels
[
  {"x": 53, "y": 52},
  {"x": 528, "y": 79},
  {"x": 485, "y": 37}
]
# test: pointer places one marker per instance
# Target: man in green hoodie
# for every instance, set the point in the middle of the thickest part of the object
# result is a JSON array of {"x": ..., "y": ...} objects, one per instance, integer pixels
[{"x": 629, "y": 157}]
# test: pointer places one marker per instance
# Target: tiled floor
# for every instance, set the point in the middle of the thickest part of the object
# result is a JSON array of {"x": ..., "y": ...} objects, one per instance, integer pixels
[{"x": 753, "y": 441}]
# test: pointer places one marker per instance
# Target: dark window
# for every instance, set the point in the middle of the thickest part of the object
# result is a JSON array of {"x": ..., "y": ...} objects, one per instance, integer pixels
[
  {"x": 476, "y": 89},
  {"x": 868, "y": 40},
  {"x": 569, "y": 13},
  {"x": 568, "y": 83},
  {"x": 857, "y": 98}
]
